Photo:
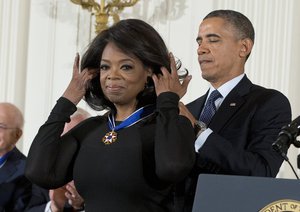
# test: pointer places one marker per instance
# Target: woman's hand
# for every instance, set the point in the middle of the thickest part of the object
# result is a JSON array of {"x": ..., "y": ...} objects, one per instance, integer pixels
[
  {"x": 170, "y": 81},
  {"x": 79, "y": 82}
]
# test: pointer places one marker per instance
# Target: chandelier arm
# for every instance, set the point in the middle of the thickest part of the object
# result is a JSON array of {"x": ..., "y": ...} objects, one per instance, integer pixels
[
  {"x": 96, "y": 7},
  {"x": 76, "y": 1},
  {"x": 115, "y": 17},
  {"x": 126, "y": 3},
  {"x": 85, "y": 5},
  {"x": 103, "y": 12}
]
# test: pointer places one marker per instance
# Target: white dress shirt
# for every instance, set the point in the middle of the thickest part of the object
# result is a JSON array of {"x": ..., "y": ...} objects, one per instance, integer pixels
[{"x": 224, "y": 91}]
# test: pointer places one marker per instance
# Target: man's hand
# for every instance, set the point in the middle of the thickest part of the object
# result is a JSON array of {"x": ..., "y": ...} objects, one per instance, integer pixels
[
  {"x": 74, "y": 199},
  {"x": 58, "y": 199}
]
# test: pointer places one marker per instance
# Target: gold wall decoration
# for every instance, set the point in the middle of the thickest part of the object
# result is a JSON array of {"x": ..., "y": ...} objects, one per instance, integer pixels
[{"x": 104, "y": 9}]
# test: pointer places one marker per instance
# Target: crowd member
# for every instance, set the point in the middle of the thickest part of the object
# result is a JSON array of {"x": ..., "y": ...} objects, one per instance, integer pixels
[
  {"x": 130, "y": 158},
  {"x": 15, "y": 188},
  {"x": 236, "y": 121},
  {"x": 65, "y": 198}
]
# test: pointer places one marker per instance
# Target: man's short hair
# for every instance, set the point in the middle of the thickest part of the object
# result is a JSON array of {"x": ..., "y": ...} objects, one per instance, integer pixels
[{"x": 243, "y": 26}]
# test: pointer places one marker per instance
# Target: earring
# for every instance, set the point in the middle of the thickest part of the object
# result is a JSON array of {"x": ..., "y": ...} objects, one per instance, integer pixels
[
  {"x": 149, "y": 86},
  {"x": 149, "y": 83}
]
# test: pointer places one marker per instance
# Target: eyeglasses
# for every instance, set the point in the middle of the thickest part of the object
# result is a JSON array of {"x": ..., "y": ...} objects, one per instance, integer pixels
[{"x": 3, "y": 128}]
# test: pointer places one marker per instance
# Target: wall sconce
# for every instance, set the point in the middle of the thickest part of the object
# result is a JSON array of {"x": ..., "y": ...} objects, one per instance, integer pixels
[{"x": 104, "y": 10}]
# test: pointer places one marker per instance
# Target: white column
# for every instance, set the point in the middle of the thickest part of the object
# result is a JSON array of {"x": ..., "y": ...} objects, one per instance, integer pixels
[{"x": 14, "y": 21}]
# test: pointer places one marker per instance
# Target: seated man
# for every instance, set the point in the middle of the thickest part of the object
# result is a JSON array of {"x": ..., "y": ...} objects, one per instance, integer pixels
[
  {"x": 15, "y": 189},
  {"x": 65, "y": 198}
]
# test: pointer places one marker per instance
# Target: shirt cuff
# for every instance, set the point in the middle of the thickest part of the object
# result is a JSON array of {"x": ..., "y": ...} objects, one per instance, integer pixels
[
  {"x": 202, "y": 138},
  {"x": 47, "y": 208}
]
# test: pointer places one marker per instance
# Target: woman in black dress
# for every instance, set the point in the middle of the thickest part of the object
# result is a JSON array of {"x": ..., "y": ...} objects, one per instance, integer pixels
[{"x": 130, "y": 158}]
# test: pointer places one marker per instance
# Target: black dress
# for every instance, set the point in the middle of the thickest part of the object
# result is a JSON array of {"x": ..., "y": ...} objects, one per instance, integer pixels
[{"x": 135, "y": 173}]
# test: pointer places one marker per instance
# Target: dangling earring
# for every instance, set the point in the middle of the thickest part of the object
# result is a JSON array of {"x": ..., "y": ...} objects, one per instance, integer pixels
[
  {"x": 149, "y": 86},
  {"x": 147, "y": 83}
]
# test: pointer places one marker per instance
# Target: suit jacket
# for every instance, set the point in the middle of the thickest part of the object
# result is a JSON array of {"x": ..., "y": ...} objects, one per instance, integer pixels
[
  {"x": 15, "y": 188},
  {"x": 244, "y": 128},
  {"x": 39, "y": 199}
]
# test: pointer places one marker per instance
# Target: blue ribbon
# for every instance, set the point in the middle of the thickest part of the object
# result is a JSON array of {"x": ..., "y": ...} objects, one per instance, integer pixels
[
  {"x": 135, "y": 117},
  {"x": 4, "y": 157}
]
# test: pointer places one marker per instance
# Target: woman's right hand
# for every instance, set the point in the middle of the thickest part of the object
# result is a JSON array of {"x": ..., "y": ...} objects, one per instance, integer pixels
[{"x": 79, "y": 82}]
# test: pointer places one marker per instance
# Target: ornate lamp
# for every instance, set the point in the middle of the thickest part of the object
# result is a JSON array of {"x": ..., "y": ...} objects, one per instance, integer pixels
[{"x": 104, "y": 10}]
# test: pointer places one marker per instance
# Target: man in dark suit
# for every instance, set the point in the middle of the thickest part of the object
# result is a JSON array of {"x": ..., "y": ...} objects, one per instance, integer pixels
[
  {"x": 235, "y": 130},
  {"x": 15, "y": 189}
]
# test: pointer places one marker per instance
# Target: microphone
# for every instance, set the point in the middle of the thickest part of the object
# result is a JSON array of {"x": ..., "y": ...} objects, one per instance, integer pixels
[{"x": 286, "y": 137}]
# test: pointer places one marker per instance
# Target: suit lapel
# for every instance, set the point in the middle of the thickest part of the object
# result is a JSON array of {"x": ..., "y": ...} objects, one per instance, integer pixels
[
  {"x": 231, "y": 104},
  {"x": 9, "y": 168},
  {"x": 6, "y": 171},
  {"x": 196, "y": 106}
]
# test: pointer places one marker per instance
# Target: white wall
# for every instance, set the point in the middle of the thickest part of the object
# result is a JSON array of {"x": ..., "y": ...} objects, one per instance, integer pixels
[{"x": 39, "y": 39}]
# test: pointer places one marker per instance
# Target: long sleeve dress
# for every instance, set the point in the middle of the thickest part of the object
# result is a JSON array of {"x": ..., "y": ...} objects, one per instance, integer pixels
[{"x": 135, "y": 173}]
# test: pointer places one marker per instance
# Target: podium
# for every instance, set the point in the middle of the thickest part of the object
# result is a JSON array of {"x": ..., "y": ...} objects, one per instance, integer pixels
[{"x": 227, "y": 193}]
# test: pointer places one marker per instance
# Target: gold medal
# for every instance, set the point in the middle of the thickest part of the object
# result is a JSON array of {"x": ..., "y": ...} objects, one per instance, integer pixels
[
  {"x": 109, "y": 138},
  {"x": 134, "y": 118}
]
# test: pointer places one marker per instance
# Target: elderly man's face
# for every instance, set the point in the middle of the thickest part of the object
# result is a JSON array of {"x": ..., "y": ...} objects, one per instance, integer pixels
[{"x": 9, "y": 133}]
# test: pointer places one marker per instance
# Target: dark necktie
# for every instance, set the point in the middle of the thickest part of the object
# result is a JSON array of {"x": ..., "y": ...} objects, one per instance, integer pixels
[{"x": 210, "y": 107}]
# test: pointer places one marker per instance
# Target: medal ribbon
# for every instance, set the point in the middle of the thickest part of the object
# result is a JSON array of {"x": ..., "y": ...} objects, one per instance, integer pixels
[
  {"x": 3, "y": 158},
  {"x": 135, "y": 117}
]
